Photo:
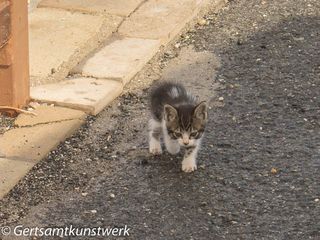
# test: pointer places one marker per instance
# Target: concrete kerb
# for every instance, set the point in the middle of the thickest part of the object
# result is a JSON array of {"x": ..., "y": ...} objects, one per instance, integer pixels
[
  {"x": 32, "y": 139},
  {"x": 13, "y": 166}
]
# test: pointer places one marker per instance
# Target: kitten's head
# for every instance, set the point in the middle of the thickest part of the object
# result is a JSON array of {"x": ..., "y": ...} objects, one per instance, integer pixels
[{"x": 186, "y": 123}]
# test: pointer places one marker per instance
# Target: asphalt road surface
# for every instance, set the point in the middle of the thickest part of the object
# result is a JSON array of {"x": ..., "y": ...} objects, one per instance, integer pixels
[{"x": 257, "y": 63}]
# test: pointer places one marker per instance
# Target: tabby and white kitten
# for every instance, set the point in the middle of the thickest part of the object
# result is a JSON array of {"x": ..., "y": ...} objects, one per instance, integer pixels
[{"x": 180, "y": 119}]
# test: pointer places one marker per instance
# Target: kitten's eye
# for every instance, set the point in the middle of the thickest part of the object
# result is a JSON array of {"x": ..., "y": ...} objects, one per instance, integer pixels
[
  {"x": 177, "y": 134},
  {"x": 194, "y": 134}
]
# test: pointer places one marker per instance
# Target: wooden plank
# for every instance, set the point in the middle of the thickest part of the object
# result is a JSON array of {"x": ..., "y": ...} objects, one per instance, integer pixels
[
  {"x": 14, "y": 54},
  {"x": 5, "y": 57},
  {"x": 4, "y": 22}
]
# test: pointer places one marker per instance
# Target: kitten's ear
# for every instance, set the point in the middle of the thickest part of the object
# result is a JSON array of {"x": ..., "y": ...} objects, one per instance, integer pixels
[
  {"x": 201, "y": 111},
  {"x": 170, "y": 113}
]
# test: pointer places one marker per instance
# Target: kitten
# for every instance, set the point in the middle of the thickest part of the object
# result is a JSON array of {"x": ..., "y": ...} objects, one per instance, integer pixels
[{"x": 180, "y": 119}]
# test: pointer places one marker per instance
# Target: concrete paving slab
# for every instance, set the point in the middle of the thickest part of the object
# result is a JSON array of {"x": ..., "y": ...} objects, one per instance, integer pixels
[
  {"x": 48, "y": 114},
  {"x": 31, "y": 144},
  {"x": 87, "y": 94},
  {"x": 118, "y": 7},
  {"x": 119, "y": 60},
  {"x": 160, "y": 19},
  {"x": 58, "y": 39},
  {"x": 11, "y": 171}
]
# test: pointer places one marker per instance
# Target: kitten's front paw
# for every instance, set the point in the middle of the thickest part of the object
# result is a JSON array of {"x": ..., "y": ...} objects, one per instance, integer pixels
[
  {"x": 188, "y": 166},
  {"x": 155, "y": 151},
  {"x": 155, "y": 147}
]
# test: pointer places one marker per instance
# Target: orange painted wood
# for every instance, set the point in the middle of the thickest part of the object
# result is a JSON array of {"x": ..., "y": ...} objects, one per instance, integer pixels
[
  {"x": 14, "y": 56},
  {"x": 5, "y": 22}
]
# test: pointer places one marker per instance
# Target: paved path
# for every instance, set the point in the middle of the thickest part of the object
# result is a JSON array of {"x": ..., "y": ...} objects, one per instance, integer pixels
[
  {"x": 75, "y": 43},
  {"x": 258, "y": 175}
]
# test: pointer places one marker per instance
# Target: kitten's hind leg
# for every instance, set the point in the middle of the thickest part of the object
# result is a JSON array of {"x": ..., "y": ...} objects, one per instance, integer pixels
[
  {"x": 154, "y": 137},
  {"x": 172, "y": 145}
]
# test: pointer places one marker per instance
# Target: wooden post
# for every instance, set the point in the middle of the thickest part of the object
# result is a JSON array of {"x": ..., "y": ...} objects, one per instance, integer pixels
[{"x": 14, "y": 53}]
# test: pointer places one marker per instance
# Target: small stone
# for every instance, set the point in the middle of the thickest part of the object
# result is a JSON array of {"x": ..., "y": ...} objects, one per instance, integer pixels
[
  {"x": 221, "y": 99},
  {"x": 168, "y": 53},
  {"x": 202, "y": 166},
  {"x": 112, "y": 195},
  {"x": 177, "y": 45},
  {"x": 93, "y": 211},
  {"x": 317, "y": 200},
  {"x": 202, "y": 22},
  {"x": 84, "y": 194},
  {"x": 298, "y": 38},
  {"x": 274, "y": 171}
]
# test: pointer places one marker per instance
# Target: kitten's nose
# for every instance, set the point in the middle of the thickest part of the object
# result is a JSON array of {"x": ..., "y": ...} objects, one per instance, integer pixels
[{"x": 185, "y": 139}]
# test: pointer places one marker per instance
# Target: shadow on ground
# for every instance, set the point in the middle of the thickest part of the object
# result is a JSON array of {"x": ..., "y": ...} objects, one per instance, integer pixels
[{"x": 271, "y": 119}]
